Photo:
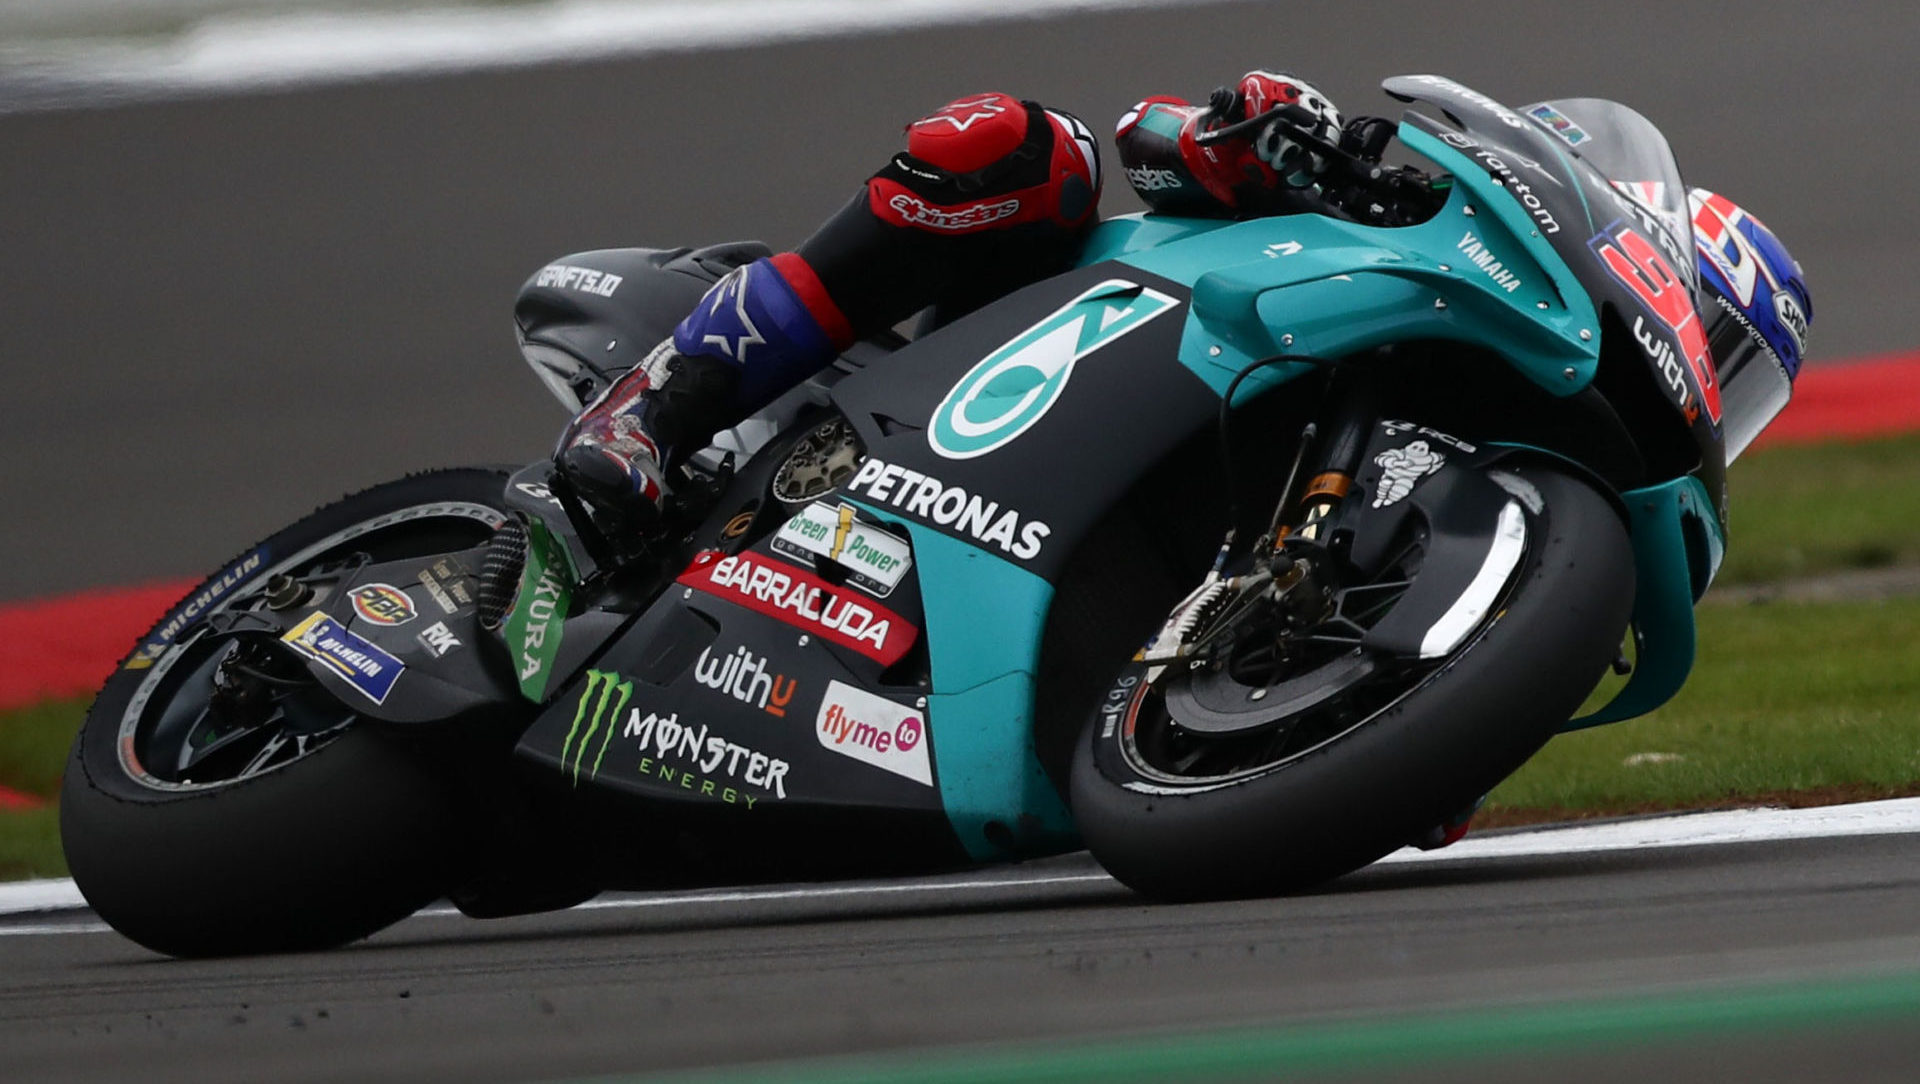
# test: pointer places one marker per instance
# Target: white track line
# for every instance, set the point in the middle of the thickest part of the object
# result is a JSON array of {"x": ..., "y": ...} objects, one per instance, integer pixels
[
  {"x": 30, "y": 897},
  {"x": 1895, "y": 817},
  {"x": 274, "y": 49}
]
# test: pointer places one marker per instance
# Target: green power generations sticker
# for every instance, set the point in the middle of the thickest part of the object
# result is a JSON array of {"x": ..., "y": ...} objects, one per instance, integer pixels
[{"x": 539, "y": 612}]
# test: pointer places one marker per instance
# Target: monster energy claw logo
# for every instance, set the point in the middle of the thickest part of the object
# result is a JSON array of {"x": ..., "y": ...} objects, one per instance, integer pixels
[
  {"x": 1014, "y": 387},
  {"x": 600, "y": 705}
]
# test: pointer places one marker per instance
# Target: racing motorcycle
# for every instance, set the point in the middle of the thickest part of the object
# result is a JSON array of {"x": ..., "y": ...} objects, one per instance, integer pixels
[{"x": 1240, "y": 555}]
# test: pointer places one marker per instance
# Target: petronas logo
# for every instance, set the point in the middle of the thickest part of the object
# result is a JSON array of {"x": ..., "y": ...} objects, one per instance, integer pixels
[
  {"x": 1013, "y": 388},
  {"x": 599, "y": 708}
]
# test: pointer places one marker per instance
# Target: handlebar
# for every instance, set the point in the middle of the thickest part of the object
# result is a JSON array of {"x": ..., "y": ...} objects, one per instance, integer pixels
[{"x": 1354, "y": 179}]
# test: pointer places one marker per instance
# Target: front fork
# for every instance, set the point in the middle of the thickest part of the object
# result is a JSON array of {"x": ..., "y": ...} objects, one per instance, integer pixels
[
  {"x": 1336, "y": 458},
  {"x": 1289, "y": 567}
]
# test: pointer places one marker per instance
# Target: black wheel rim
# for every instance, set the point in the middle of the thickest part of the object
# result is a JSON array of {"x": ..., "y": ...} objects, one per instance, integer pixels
[
  {"x": 217, "y": 708},
  {"x": 1356, "y": 689}
]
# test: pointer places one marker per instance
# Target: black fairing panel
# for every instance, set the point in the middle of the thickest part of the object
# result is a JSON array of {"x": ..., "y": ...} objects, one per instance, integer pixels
[
  {"x": 1126, "y": 405},
  {"x": 433, "y": 639},
  {"x": 609, "y": 307},
  {"x": 718, "y": 703}
]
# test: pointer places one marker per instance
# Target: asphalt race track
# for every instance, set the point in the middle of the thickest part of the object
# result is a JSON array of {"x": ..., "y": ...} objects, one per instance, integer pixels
[
  {"x": 1761, "y": 962},
  {"x": 220, "y": 312}
]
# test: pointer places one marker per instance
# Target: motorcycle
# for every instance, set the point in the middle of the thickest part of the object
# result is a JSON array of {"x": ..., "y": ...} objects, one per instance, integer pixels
[{"x": 1241, "y": 555}]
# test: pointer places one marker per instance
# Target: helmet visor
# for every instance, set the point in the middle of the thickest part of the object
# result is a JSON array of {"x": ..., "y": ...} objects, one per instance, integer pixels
[{"x": 1754, "y": 385}]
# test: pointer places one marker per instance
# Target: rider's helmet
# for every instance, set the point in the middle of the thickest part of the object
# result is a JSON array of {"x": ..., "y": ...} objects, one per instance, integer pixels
[
  {"x": 1756, "y": 310},
  {"x": 1177, "y": 165}
]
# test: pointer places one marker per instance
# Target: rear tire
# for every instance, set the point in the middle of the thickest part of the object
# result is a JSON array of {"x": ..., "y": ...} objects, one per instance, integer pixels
[
  {"x": 1466, "y": 726},
  {"x": 351, "y": 832}
]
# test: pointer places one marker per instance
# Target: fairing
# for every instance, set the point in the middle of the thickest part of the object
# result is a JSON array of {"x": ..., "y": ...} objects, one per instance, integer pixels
[{"x": 994, "y": 445}]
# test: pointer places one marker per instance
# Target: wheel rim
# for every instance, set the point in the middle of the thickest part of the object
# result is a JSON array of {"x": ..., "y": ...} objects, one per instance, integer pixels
[
  {"x": 1322, "y": 666},
  {"x": 218, "y": 708}
]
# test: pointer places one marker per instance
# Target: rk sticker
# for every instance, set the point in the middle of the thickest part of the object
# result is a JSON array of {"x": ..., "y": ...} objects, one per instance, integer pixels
[
  {"x": 438, "y": 639},
  {"x": 358, "y": 662}
]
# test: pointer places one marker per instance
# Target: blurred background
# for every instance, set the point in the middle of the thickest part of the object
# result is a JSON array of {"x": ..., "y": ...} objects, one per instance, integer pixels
[{"x": 258, "y": 253}]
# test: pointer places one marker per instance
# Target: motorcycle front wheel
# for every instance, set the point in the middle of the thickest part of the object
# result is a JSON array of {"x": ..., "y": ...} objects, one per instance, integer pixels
[{"x": 1378, "y": 751}]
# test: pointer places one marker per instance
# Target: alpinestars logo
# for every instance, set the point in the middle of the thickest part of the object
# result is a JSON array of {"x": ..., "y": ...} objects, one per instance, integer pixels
[
  {"x": 1149, "y": 179},
  {"x": 733, "y": 288},
  {"x": 1012, "y": 388},
  {"x": 915, "y": 212},
  {"x": 964, "y": 113}
]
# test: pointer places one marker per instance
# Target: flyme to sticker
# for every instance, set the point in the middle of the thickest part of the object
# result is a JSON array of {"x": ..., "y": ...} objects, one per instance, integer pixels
[
  {"x": 539, "y": 613},
  {"x": 1014, "y": 387},
  {"x": 873, "y": 730}
]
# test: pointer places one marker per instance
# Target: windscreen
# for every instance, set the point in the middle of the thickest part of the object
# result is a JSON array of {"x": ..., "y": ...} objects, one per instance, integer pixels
[{"x": 1630, "y": 152}]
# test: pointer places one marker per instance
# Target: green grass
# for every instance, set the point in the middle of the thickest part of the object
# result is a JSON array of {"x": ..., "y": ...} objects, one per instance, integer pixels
[
  {"x": 1805, "y": 510},
  {"x": 33, "y": 751},
  {"x": 30, "y": 845},
  {"x": 1803, "y": 697},
  {"x": 34, "y": 743}
]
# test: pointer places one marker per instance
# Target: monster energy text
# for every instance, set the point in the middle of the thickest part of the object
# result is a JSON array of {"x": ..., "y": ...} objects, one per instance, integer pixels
[{"x": 689, "y": 757}]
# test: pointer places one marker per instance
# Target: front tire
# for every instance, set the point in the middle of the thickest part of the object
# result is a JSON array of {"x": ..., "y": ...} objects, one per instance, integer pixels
[
  {"x": 1432, "y": 752},
  {"x": 306, "y": 828}
]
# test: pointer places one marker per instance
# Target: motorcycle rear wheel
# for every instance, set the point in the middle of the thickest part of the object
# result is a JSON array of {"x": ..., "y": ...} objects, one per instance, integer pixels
[
  {"x": 302, "y": 828},
  {"x": 1435, "y": 747}
]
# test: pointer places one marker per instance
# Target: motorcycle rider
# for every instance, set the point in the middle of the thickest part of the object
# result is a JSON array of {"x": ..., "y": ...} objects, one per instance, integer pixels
[{"x": 991, "y": 193}]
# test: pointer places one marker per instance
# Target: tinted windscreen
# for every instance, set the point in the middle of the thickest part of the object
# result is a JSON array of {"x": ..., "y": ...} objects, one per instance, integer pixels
[{"x": 1630, "y": 152}]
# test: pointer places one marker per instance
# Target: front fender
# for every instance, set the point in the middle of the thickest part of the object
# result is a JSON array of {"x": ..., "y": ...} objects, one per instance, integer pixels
[{"x": 1475, "y": 512}]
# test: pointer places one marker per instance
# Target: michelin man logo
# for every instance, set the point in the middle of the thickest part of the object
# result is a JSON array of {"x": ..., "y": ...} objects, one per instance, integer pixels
[{"x": 1401, "y": 468}]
